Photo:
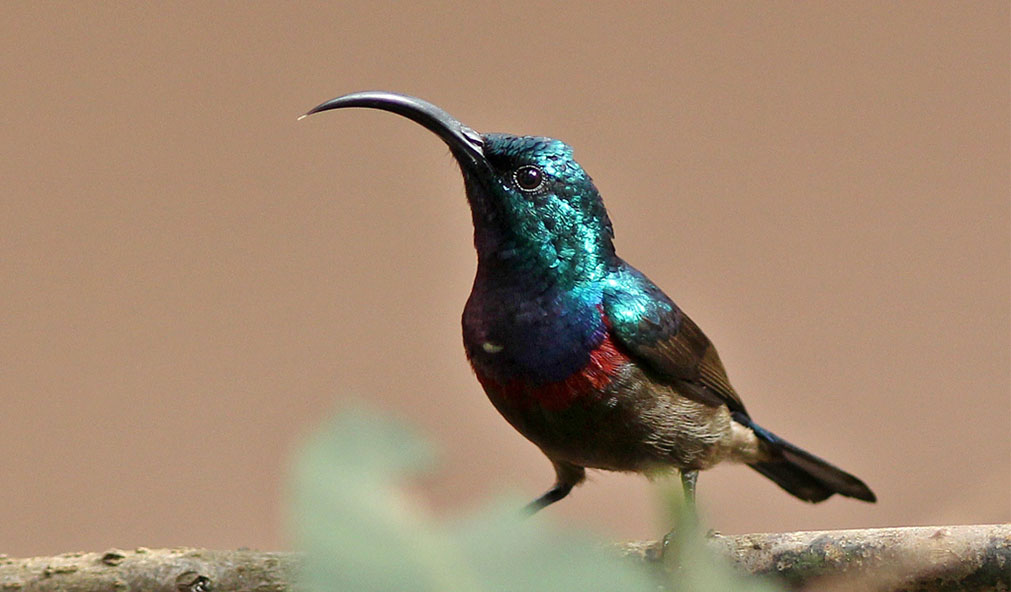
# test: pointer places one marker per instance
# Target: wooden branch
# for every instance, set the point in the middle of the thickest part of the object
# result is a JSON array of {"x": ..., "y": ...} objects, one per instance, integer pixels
[
  {"x": 151, "y": 570},
  {"x": 926, "y": 559}
]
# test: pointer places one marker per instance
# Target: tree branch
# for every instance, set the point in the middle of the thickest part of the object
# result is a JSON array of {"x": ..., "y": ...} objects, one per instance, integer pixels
[
  {"x": 151, "y": 570},
  {"x": 926, "y": 559}
]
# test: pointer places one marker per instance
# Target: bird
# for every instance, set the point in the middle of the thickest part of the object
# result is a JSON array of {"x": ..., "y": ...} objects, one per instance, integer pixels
[{"x": 578, "y": 350}]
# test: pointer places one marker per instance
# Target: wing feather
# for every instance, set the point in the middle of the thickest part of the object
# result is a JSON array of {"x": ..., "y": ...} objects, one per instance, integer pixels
[{"x": 663, "y": 340}]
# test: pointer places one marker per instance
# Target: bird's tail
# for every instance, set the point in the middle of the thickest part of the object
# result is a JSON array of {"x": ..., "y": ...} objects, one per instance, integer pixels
[{"x": 801, "y": 473}]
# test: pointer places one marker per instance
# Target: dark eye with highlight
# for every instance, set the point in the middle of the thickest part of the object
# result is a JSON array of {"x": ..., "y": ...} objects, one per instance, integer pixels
[{"x": 529, "y": 178}]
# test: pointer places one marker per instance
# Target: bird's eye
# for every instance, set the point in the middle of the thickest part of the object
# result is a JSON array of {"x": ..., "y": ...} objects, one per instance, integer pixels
[{"x": 528, "y": 178}]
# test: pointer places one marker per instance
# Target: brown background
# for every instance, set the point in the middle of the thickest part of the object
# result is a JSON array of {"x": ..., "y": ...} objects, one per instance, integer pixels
[{"x": 191, "y": 279}]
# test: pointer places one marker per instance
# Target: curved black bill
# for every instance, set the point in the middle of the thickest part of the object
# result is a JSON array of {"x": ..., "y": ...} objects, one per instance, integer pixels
[{"x": 462, "y": 140}]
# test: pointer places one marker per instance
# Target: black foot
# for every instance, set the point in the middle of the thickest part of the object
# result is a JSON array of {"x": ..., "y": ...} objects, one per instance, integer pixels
[
  {"x": 551, "y": 496},
  {"x": 567, "y": 476}
]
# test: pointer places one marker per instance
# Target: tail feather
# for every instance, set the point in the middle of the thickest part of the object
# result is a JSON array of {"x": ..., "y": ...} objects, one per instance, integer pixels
[{"x": 801, "y": 473}]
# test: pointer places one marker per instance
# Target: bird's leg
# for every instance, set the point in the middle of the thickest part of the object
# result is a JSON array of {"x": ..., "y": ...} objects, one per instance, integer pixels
[
  {"x": 687, "y": 516},
  {"x": 567, "y": 477},
  {"x": 688, "y": 481},
  {"x": 557, "y": 492}
]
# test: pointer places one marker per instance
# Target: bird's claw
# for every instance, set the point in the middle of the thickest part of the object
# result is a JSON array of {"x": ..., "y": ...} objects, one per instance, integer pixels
[{"x": 658, "y": 550}]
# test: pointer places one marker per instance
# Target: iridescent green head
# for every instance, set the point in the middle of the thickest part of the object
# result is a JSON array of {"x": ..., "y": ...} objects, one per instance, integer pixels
[{"x": 535, "y": 209}]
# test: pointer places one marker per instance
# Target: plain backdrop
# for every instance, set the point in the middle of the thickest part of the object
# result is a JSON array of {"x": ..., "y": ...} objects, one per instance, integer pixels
[{"x": 190, "y": 280}]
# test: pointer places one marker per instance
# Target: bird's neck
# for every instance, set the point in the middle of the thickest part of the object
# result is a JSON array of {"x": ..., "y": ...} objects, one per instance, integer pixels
[{"x": 564, "y": 263}]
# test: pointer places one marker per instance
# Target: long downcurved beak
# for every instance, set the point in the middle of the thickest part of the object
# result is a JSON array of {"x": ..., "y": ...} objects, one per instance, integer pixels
[{"x": 466, "y": 144}]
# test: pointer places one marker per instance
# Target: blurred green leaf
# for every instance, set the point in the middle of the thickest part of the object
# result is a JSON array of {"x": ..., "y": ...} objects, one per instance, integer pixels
[
  {"x": 512, "y": 553},
  {"x": 360, "y": 532},
  {"x": 697, "y": 568}
]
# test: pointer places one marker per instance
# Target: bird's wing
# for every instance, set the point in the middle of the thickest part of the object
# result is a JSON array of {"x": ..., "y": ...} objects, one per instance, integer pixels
[{"x": 656, "y": 334}]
